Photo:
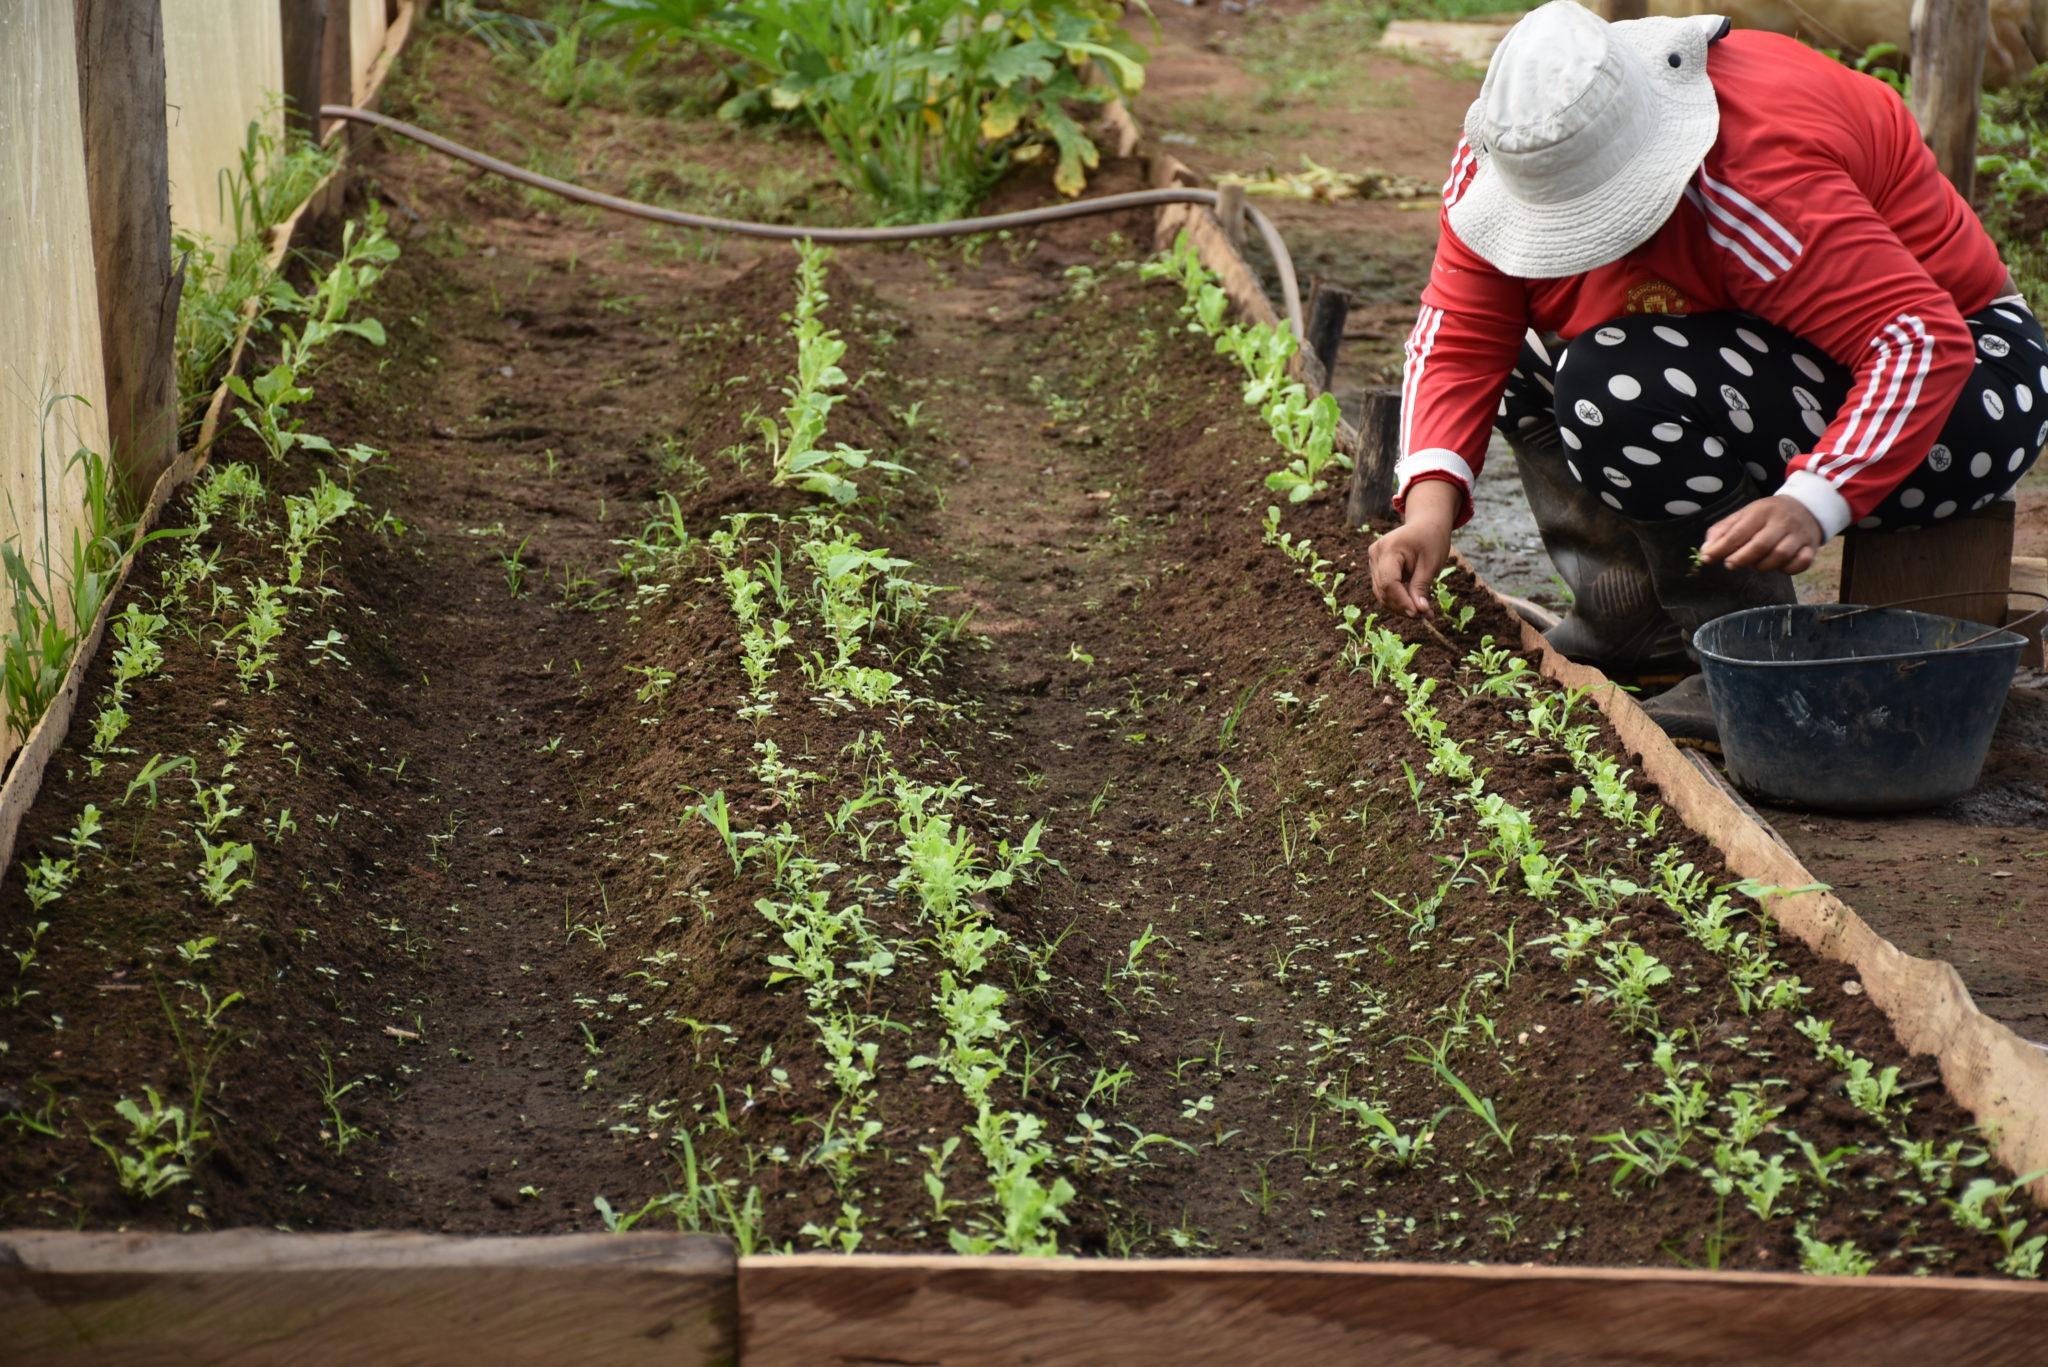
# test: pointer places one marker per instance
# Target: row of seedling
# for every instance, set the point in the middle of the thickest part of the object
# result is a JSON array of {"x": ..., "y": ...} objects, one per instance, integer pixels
[
  {"x": 1623, "y": 976},
  {"x": 845, "y": 625},
  {"x": 154, "y": 1143}
]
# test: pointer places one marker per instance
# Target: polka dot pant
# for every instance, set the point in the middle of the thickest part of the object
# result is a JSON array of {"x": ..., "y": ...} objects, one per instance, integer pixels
[{"x": 1665, "y": 415}]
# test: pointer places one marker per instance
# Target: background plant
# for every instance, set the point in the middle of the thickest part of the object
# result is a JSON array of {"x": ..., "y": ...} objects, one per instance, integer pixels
[{"x": 922, "y": 103}]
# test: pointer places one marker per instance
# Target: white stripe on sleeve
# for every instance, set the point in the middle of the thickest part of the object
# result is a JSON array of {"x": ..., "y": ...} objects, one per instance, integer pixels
[
  {"x": 1910, "y": 362},
  {"x": 1923, "y": 356},
  {"x": 1420, "y": 341},
  {"x": 1453, "y": 190},
  {"x": 1884, "y": 358},
  {"x": 1756, "y": 239}
]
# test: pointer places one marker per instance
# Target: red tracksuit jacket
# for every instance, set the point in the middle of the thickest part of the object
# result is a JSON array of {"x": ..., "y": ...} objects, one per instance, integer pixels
[{"x": 1818, "y": 209}]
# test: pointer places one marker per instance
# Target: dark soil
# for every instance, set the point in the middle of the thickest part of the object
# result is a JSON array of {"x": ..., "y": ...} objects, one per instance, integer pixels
[{"x": 500, "y": 916}]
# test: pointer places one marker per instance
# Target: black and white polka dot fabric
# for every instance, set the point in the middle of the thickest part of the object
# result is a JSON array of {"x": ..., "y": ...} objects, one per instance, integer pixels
[{"x": 1664, "y": 415}]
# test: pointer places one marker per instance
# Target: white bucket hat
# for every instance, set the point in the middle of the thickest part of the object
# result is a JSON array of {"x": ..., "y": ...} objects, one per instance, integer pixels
[{"x": 1585, "y": 134}]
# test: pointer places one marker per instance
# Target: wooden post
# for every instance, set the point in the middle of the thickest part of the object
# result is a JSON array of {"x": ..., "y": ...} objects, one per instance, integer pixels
[
  {"x": 1328, "y": 307},
  {"x": 1948, "y": 72},
  {"x": 304, "y": 25},
  {"x": 1230, "y": 213},
  {"x": 1379, "y": 446},
  {"x": 127, "y": 170},
  {"x": 1968, "y": 555},
  {"x": 1619, "y": 10},
  {"x": 337, "y": 65}
]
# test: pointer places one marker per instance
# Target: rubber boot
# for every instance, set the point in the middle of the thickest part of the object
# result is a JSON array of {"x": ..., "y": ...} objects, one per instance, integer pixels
[
  {"x": 1615, "y": 622},
  {"x": 1695, "y": 594}
]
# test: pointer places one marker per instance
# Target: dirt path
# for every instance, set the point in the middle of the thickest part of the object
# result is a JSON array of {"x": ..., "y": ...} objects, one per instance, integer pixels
[{"x": 509, "y": 850}]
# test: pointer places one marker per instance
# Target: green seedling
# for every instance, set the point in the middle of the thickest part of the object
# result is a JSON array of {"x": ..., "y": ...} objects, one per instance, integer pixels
[
  {"x": 1436, "y": 1057},
  {"x": 158, "y": 1148},
  {"x": 1841, "y": 1259},
  {"x": 338, "y": 1133},
  {"x": 514, "y": 566}
]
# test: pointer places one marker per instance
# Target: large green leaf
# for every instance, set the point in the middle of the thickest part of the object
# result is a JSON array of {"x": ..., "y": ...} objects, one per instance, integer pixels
[{"x": 1032, "y": 61}]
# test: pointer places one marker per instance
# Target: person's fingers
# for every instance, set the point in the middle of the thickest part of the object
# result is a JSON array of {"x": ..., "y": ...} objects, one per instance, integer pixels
[
  {"x": 1727, "y": 534},
  {"x": 1418, "y": 584},
  {"x": 1771, "y": 557},
  {"x": 1710, "y": 549},
  {"x": 1389, "y": 575},
  {"x": 1793, "y": 554},
  {"x": 1733, "y": 547},
  {"x": 1758, "y": 543}
]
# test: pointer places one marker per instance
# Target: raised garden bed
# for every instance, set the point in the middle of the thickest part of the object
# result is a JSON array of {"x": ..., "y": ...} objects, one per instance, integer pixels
[{"x": 634, "y": 840}]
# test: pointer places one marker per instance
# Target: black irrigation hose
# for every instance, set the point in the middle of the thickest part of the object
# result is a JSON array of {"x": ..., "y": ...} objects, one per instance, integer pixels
[{"x": 1290, "y": 288}]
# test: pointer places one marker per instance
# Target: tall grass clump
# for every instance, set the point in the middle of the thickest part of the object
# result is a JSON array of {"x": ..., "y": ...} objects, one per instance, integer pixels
[
  {"x": 53, "y": 599},
  {"x": 2012, "y": 179}
]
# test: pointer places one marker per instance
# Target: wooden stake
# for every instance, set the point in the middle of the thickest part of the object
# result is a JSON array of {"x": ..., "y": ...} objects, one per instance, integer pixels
[
  {"x": 1948, "y": 72},
  {"x": 305, "y": 54},
  {"x": 127, "y": 171},
  {"x": 1970, "y": 553},
  {"x": 1379, "y": 446},
  {"x": 337, "y": 66},
  {"x": 1230, "y": 213},
  {"x": 1328, "y": 306}
]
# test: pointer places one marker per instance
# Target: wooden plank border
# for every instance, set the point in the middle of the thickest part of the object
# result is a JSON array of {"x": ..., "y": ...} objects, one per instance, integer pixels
[
  {"x": 255, "y": 1297},
  {"x": 812, "y": 1310},
  {"x": 308, "y": 1300},
  {"x": 25, "y": 768},
  {"x": 338, "y": 1300},
  {"x": 1998, "y": 1077}
]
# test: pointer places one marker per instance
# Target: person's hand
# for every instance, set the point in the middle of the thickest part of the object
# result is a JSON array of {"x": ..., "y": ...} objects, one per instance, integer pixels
[
  {"x": 1775, "y": 533},
  {"x": 1405, "y": 561}
]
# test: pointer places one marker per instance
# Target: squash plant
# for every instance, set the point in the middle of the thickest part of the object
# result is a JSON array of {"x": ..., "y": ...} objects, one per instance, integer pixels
[{"x": 923, "y": 103}]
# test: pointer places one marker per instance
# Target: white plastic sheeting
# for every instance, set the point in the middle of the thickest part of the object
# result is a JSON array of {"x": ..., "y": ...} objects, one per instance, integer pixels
[
  {"x": 367, "y": 25},
  {"x": 49, "y": 306},
  {"x": 223, "y": 68}
]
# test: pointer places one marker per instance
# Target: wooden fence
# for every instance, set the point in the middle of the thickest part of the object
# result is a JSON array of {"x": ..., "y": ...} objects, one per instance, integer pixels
[
  {"x": 120, "y": 119},
  {"x": 98, "y": 160}
]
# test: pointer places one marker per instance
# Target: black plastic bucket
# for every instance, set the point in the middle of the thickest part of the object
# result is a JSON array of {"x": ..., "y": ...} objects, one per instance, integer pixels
[{"x": 1855, "y": 710}]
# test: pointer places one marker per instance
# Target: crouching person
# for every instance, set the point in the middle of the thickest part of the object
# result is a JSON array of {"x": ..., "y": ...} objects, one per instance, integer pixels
[{"x": 1718, "y": 298}]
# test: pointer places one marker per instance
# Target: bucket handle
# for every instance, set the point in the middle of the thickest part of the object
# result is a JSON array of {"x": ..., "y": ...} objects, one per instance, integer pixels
[{"x": 1962, "y": 593}]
